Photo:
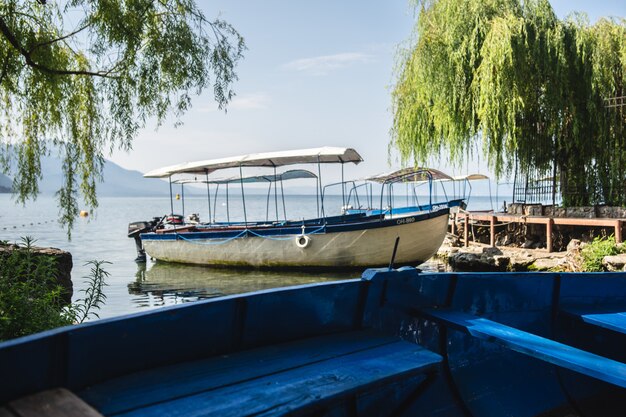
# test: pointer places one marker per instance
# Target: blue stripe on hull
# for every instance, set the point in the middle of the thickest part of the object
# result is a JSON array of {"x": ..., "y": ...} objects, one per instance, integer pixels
[{"x": 371, "y": 222}]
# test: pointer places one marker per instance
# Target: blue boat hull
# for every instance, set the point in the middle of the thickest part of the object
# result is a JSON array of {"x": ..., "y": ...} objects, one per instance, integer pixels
[{"x": 392, "y": 343}]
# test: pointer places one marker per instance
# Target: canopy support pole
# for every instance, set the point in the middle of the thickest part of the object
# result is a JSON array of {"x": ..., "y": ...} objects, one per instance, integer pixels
[
  {"x": 317, "y": 200},
  {"x": 343, "y": 190},
  {"x": 282, "y": 192},
  {"x": 182, "y": 194},
  {"x": 217, "y": 191},
  {"x": 319, "y": 179},
  {"x": 243, "y": 197},
  {"x": 276, "y": 194},
  {"x": 171, "y": 196},
  {"x": 208, "y": 191},
  {"x": 227, "y": 205},
  {"x": 267, "y": 203}
]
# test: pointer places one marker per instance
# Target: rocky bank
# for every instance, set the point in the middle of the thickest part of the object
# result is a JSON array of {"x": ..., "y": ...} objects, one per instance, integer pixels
[{"x": 484, "y": 258}]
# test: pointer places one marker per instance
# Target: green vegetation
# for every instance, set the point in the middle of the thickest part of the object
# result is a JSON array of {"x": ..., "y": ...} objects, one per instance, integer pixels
[
  {"x": 593, "y": 253},
  {"x": 31, "y": 299},
  {"x": 83, "y": 76},
  {"x": 508, "y": 79}
]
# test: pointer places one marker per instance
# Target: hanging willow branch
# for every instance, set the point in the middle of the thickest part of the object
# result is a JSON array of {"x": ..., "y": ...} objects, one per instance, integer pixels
[
  {"x": 528, "y": 89},
  {"x": 86, "y": 88}
]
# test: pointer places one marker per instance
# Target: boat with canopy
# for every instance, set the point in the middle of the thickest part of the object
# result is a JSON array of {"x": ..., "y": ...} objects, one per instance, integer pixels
[
  {"x": 343, "y": 241},
  {"x": 412, "y": 179}
]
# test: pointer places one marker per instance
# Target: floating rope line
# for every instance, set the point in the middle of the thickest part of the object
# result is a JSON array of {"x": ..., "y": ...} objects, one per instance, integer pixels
[
  {"x": 225, "y": 240},
  {"x": 316, "y": 231},
  {"x": 243, "y": 233},
  {"x": 27, "y": 224}
]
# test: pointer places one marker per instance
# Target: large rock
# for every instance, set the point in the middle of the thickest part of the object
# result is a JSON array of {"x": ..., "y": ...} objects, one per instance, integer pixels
[
  {"x": 63, "y": 262},
  {"x": 547, "y": 264},
  {"x": 574, "y": 245},
  {"x": 470, "y": 261},
  {"x": 614, "y": 262}
]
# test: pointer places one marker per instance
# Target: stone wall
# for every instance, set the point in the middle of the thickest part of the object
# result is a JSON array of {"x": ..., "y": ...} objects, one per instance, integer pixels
[
  {"x": 586, "y": 212},
  {"x": 63, "y": 262}
]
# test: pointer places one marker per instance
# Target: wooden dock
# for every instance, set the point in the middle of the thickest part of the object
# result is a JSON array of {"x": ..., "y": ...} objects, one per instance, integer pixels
[{"x": 494, "y": 218}]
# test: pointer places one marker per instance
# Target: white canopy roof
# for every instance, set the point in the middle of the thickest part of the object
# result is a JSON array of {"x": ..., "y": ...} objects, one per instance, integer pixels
[
  {"x": 287, "y": 175},
  {"x": 411, "y": 174},
  {"x": 471, "y": 177},
  {"x": 323, "y": 155}
]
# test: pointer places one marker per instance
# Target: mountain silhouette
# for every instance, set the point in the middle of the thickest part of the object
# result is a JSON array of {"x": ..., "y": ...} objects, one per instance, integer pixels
[{"x": 117, "y": 181}]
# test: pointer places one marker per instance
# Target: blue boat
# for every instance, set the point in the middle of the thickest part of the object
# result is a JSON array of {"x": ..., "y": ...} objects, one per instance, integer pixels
[{"x": 393, "y": 343}]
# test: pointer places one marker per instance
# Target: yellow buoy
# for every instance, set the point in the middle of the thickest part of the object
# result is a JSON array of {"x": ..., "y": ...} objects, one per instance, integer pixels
[
  {"x": 177, "y": 196},
  {"x": 84, "y": 213}
]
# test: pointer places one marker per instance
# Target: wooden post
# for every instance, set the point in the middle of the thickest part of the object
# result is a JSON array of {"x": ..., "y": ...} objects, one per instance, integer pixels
[
  {"x": 618, "y": 231},
  {"x": 549, "y": 234},
  {"x": 466, "y": 230},
  {"x": 492, "y": 231},
  {"x": 452, "y": 228}
]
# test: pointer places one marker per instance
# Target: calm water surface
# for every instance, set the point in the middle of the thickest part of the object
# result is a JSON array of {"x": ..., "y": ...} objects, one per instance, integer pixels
[{"x": 133, "y": 287}]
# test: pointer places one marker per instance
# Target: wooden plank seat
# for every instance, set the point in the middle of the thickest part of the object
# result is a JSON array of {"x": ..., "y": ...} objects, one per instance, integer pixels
[
  {"x": 57, "y": 402},
  {"x": 273, "y": 380},
  {"x": 611, "y": 320},
  {"x": 548, "y": 350}
]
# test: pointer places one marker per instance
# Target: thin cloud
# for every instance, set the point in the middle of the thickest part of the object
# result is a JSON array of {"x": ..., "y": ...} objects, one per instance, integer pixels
[
  {"x": 256, "y": 101},
  {"x": 322, "y": 65}
]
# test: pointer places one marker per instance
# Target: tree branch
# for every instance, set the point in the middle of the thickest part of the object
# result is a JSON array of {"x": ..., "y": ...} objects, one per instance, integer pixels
[
  {"x": 6, "y": 31},
  {"x": 50, "y": 42}
]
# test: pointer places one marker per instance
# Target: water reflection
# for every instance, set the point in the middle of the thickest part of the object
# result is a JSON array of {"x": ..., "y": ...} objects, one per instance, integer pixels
[{"x": 163, "y": 283}]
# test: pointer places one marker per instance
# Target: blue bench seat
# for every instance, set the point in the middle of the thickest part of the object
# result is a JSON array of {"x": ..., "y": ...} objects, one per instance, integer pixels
[
  {"x": 606, "y": 318},
  {"x": 274, "y": 380},
  {"x": 548, "y": 350}
]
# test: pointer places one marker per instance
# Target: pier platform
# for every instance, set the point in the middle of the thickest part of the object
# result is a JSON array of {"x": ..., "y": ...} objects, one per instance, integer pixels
[{"x": 496, "y": 219}]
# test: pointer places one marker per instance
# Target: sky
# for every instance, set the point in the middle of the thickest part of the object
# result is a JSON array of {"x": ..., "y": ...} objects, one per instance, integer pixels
[{"x": 316, "y": 73}]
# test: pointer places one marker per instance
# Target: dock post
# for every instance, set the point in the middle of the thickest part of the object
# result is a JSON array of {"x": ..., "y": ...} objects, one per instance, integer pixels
[
  {"x": 466, "y": 230},
  {"x": 618, "y": 231},
  {"x": 492, "y": 231},
  {"x": 453, "y": 223},
  {"x": 549, "y": 224}
]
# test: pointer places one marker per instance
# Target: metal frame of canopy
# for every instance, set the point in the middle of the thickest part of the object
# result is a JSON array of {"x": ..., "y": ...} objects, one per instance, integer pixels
[
  {"x": 406, "y": 175},
  {"x": 409, "y": 175},
  {"x": 273, "y": 160},
  {"x": 272, "y": 179},
  {"x": 467, "y": 181}
]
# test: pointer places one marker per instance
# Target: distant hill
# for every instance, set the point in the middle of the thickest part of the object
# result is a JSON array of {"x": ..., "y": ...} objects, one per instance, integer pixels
[
  {"x": 6, "y": 184},
  {"x": 117, "y": 181}
]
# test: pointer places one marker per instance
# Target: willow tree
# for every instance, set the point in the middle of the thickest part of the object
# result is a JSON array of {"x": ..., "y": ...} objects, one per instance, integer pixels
[
  {"x": 83, "y": 76},
  {"x": 529, "y": 91}
]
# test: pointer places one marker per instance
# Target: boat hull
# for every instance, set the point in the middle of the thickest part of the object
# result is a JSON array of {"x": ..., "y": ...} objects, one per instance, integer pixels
[
  {"x": 351, "y": 245},
  {"x": 395, "y": 343}
]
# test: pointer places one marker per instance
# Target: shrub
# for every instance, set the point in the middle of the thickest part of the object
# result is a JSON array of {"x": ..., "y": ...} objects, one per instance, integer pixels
[
  {"x": 30, "y": 298},
  {"x": 593, "y": 253}
]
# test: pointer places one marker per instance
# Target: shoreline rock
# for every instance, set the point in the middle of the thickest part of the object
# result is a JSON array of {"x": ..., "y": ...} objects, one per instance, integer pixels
[{"x": 484, "y": 258}]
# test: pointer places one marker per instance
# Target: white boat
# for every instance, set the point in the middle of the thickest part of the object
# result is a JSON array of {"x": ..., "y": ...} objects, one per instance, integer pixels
[{"x": 345, "y": 241}]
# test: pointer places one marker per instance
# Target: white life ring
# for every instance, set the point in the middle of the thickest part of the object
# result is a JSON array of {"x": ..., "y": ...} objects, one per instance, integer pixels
[{"x": 302, "y": 241}]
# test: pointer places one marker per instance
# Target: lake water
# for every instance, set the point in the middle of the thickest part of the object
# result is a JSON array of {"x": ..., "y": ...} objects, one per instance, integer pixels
[{"x": 133, "y": 287}]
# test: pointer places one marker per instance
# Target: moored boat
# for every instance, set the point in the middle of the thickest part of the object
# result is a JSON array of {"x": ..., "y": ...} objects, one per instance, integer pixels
[{"x": 346, "y": 241}]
